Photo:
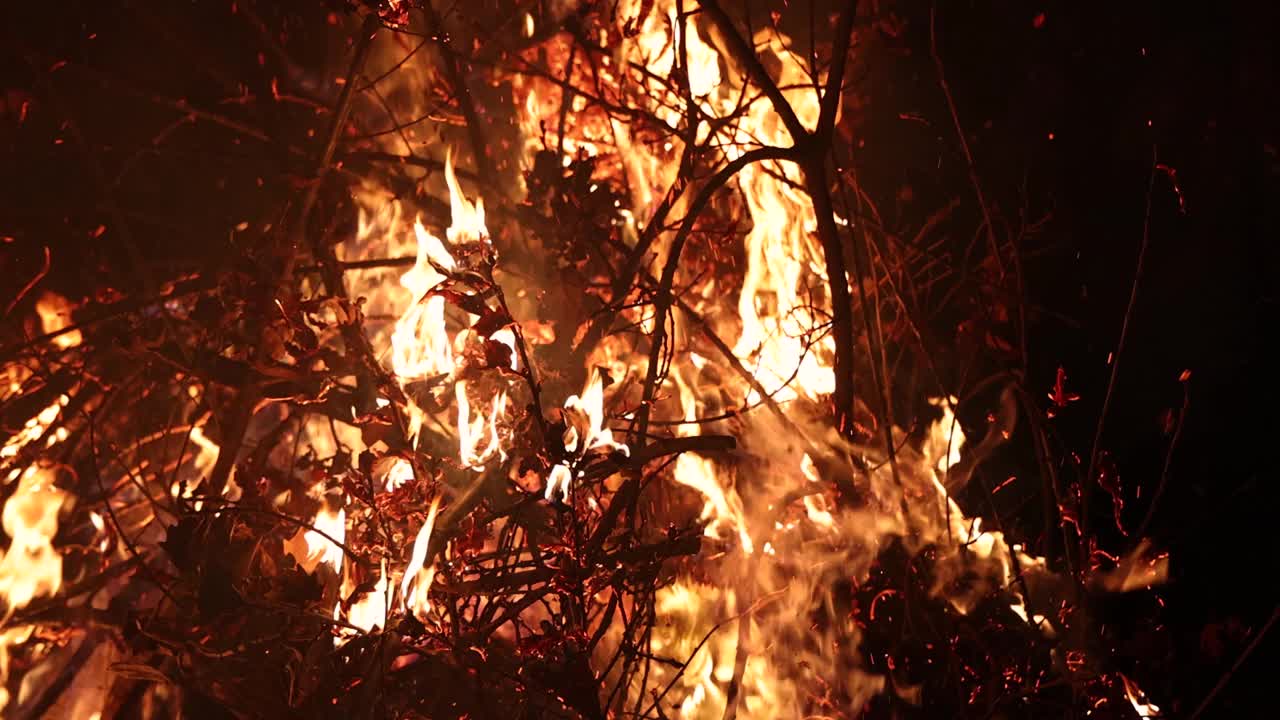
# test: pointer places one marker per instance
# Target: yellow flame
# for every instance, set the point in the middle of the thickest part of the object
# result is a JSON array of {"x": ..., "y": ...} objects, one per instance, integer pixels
[
  {"x": 34, "y": 429},
  {"x": 418, "y": 578},
  {"x": 559, "y": 482},
  {"x": 1138, "y": 699},
  {"x": 946, "y": 439},
  {"x": 723, "y": 508},
  {"x": 370, "y": 610},
  {"x": 311, "y": 548},
  {"x": 471, "y": 432},
  {"x": 55, "y": 314},
  {"x": 31, "y": 567},
  {"x": 399, "y": 473},
  {"x": 585, "y": 431},
  {"x": 420, "y": 345},
  {"x": 815, "y": 505},
  {"x": 467, "y": 220},
  {"x": 585, "y": 416}
]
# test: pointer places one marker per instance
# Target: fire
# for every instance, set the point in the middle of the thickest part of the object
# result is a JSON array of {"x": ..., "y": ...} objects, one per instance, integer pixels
[
  {"x": 761, "y": 617},
  {"x": 369, "y": 611},
  {"x": 55, "y": 315},
  {"x": 397, "y": 473},
  {"x": 585, "y": 418},
  {"x": 418, "y": 576},
  {"x": 34, "y": 429},
  {"x": 1137, "y": 698},
  {"x": 782, "y": 310},
  {"x": 31, "y": 567},
  {"x": 311, "y": 547},
  {"x": 723, "y": 507},
  {"x": 421, "y": 345},
  {"x": 584, "y": 432}
]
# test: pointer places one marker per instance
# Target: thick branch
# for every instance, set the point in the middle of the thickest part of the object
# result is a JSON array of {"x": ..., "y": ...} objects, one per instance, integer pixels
[{"x": 746, "y": 55}]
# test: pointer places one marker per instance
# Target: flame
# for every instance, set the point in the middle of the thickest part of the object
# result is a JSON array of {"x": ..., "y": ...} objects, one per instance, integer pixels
[
  {"x": 367, "y": 613},
  {"x": 31, "y": 567},
  {"x": 584, "y": 432},
  {"x": 398, "y": 474},
  {"x": 742, "y": 603},
  {"x": 34, "y": 429},
  {"x": 420, "y": 345},
  {"x": 585, "y": 417},
  {"x": 417, "y": 577},
  {"x": 311, "y": 548},
  {"x": 1138, "y": 699},
  {"x": 55, "y": 314},
  {"x": 471, "y": 432},
  {"x": 559, "y": 482},
  {"x": 466, "y": 219},
  {"x": 815, "y": 505},
  {"x": 782, "y": 310},
  {"x": 723, "y": 507},
  {"x": 779, "y": 317},
  {"x": 947, "y": 439}
]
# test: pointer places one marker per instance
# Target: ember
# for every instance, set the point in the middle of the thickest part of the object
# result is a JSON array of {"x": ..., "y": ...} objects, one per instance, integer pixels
[{"x": 574, "y": 360}]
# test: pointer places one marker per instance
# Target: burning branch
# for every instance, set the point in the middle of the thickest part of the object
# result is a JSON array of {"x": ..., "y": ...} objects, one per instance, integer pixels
[{"x": 396, "y": 448}]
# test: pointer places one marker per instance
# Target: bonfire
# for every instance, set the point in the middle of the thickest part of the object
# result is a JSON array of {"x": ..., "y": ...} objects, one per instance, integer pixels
[{"x": 560, "y": 365}]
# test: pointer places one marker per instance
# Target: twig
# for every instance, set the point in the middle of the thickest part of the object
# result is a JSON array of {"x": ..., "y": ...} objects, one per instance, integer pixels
[
  {"x": 811, "y": 150},
  {"x": 739, "y": 667},
  {"x": 864, "y": 270},
  {"x": 746, "y": 56},
  {"x": 1226, "y": 677},
  {"x": 964, "y": 142},
  {"x": 111, "y": 513},
  {"x": 675, "y": 678},
  {"x": 830, "y": 102},
  {"x": 40, "y": 704},
  {"x": 664, "y": 300},
  {"x": 44, "y": 270},
  {"x": 1096, "y": 452},
  {"x": 1168, "y": 464},
  {"x": 475, "y": 127},
  {"x": 240, "y": 415}
]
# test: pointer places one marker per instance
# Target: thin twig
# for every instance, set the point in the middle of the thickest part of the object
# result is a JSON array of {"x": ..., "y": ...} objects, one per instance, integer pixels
[
  {"x": 964, "y": 142},
  {"x": 236, "y": 423},
  {"x": 1168, "y": 464},
  {"x": 1096, "y": 452},
  {"x": 1226, "y": 677}
]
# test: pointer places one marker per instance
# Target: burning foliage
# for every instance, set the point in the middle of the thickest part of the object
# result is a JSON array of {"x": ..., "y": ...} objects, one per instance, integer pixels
[{"x": 559, "y": 370}]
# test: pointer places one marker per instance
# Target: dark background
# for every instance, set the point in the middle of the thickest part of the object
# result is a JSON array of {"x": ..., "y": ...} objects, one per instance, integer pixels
[{"x": 1196, "y": 82}]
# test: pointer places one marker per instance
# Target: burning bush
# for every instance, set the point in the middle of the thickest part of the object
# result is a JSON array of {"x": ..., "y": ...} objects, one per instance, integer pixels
[{"x": 558, "y": 365}]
